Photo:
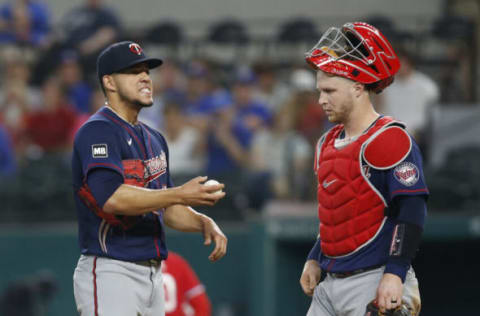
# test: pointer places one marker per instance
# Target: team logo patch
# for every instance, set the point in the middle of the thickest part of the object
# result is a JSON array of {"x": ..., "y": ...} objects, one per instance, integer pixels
[
  {"x": 100, "y": 151},
  {"x": 135, "y": 48},
  {"x": 155, "y": 167},
  {"x": 407, "y": 174}
]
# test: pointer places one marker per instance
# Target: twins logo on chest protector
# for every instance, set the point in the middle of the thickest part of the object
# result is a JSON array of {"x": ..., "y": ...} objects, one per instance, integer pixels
[{"x": 407, "y": 173}]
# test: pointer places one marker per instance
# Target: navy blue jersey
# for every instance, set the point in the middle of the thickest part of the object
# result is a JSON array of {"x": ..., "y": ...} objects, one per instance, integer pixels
[
  {"x": 104, "y": 141},
  {"x": 406, "y": 179}
]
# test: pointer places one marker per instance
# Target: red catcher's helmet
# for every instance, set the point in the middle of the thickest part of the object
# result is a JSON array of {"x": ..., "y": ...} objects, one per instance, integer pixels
[{"x": 357, "y": 51}]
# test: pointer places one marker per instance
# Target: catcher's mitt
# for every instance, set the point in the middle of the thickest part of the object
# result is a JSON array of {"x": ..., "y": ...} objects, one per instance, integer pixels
[{"x": 373, "y": 310}]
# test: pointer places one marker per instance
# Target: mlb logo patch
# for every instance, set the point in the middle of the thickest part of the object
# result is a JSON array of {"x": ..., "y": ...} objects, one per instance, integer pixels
[
  {"x": 407, "y": 174},
  {"x": 100, "y": 151}
]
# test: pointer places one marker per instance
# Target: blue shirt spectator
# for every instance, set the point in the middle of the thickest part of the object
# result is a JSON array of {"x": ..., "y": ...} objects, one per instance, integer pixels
[
  {"x": 242, "y": 123},
  {"x": 201, "y": 98},
  {"x": 209, "y": 103},
  {"x": 79, "y": 95},
  {"x": 79, "y": 92},
  {"x": 24, "y": 21},
  {"x": 233, "y": 129}
]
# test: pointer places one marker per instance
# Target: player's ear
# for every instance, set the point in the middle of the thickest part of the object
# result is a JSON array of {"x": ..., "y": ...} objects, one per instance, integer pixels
[
  {"x": 358, "y": 89},
  {"x": 109, "y": 83}
]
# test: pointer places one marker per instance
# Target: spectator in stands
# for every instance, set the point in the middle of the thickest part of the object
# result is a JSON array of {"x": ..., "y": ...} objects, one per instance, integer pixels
[
  {"x": 24, "y": 22},
  {"x": 197, "y": 103},
  {"x": 230, "y": 135},
  {"x": 186, "y": 150},
  {"x": 310, "y": 118},
  {"x": 90, "y": 27},
  {"x": 97, "y": 100},
  {"x": 17, "y": 96},
  {"x": 284, "y": 156},
  {"x": 269, "y": 89},
  {"x": 184, "y": 294},
  {"x": 234, "y": 128},
  {"x": 202, "y": 98},
  {"x": 203, "y": 101},
  {"x": 7, "y": 156},
  {"x": 86, "y": 29},
  {"x": 49, "y": 128},
  {"x": 71, "y": 78},
  {"x": 169, "y": 84},
  {"x": 409, "y": 98},
  {"x": 456, "y": 74}
]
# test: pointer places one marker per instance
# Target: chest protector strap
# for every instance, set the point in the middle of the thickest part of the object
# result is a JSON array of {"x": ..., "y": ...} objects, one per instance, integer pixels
[{"x": 133, "y": 175}]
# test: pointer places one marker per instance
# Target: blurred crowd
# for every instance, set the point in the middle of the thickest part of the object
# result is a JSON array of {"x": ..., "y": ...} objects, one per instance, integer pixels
[
  {"x": 46, "y": 91},
  {"x": 252, "y": 126},
  {"x": 243, "y": 126}
]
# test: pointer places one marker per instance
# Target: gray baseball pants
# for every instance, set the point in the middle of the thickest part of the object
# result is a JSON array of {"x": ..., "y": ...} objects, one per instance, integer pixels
[
  {"x": 108, "y": 287},
  {"x": 349, "y": 296}
]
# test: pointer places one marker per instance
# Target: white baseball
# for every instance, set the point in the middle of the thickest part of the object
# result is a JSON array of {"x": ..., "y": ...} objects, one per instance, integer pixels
[{"x": 213, "y": 182}]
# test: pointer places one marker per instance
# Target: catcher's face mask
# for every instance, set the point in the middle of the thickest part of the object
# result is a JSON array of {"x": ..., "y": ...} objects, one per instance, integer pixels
[{"x": 357, "y": 51}]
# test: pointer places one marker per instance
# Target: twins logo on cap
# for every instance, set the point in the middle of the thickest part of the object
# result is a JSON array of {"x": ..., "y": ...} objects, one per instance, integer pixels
[
  {"x": 406, "y": 173},
  {"x": 135, "y": 48}
]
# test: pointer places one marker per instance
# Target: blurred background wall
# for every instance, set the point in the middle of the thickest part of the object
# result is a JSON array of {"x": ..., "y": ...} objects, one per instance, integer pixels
[
  {"x": 187, "y": 11},
  {"x": 223, "y": 57}
]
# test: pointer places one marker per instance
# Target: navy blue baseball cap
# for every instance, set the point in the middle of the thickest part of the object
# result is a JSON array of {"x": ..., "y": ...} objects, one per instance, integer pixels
[{"x": 120, "y": 56}]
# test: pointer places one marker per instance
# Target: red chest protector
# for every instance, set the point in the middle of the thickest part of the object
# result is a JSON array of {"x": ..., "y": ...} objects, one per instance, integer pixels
[{"x": 350, "y": 209}]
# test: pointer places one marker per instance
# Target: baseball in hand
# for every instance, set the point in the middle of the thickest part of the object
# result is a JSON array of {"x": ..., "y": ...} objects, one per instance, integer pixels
[{"x": 213, "y": 182}]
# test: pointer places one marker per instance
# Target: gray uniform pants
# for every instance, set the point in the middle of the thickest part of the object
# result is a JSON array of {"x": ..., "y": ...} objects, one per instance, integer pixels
[
  {"x": 108, "y": 287},
  {"x": 349, "y": 296}
]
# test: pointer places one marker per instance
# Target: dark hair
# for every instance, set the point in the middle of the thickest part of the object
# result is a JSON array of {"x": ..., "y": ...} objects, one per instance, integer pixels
[{"x": 379, "y": 86}]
